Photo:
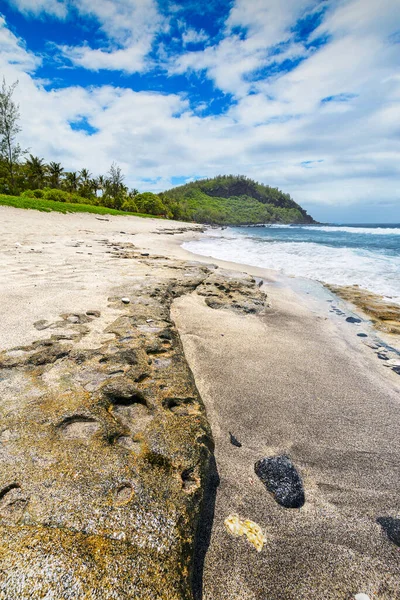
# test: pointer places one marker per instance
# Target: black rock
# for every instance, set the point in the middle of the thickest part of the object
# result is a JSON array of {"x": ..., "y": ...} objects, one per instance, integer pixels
[
  {"x": 281, "y": 478},
  {"x": 353, "y": 320},
  {"x": 382, "y": 356},
  {"x": 391, "y": 527},
  {"x": 234, "y": 441},
  {"x": 363, "y": 335},
  {"x": 396, "y": 370}
]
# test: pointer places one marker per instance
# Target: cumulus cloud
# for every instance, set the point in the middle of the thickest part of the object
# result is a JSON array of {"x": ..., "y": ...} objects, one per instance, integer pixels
[
  {"x": 130, "y": 27},
  {"x": 257, "y": 35},
  {"x": 325, "y": 129},
  {"x": 13, "y": 53},
  {"x": 191, "y": 36},
  {"x": 57, "y": 8}
]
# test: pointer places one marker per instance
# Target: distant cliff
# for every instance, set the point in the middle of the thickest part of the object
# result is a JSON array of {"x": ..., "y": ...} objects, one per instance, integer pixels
[{"x": 233, "y": 200}]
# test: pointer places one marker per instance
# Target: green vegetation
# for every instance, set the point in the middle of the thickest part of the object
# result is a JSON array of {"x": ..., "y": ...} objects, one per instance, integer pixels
[
  {"x": 233, "y": 200},
  {"x": 64, "y": 207},
  {"x": 29, "y": 182}
]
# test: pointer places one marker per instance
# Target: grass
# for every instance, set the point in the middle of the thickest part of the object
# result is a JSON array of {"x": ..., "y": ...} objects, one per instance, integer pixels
[{"x": 63, "y": 207}]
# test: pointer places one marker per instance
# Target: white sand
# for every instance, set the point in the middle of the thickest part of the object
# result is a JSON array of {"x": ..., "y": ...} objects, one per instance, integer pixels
[{"x": 295, "y": 380}]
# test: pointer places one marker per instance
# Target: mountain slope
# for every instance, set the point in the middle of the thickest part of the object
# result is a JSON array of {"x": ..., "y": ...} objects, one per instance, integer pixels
[{"x": 233, "y": 200}]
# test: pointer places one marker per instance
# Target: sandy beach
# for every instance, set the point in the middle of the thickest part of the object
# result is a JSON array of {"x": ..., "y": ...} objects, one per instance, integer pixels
[{"x": 280, "y": 372}]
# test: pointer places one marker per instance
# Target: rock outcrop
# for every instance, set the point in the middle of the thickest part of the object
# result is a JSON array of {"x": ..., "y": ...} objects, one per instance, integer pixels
[
  {"x": 105, "y": 450},
  {"x": 384, "y": 315}
]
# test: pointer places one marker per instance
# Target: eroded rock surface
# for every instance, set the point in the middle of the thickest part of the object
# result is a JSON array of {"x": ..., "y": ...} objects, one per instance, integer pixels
[
  {"x": 104, "y": 451},
  {"x": 235, "y": 291},
  {"x": 384, "y": 315}
]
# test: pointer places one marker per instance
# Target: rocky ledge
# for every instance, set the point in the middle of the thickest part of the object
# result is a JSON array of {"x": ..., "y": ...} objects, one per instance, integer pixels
[
  {"x": 105, "y": 450},
  {"x": 384, "y": 315}
]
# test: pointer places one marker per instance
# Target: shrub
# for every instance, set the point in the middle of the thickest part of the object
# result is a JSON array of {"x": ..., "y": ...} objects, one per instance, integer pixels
[
  {"x": 57, "y": 195},
  {"x": 77, "y": 199},
  {"x": 129, "y": 205},
  {"x": 150, "y": 203},
  {"x": 33, "y": 194}
]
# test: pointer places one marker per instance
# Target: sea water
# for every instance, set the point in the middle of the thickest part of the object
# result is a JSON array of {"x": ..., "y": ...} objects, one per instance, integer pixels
[{"x": 364, "y": 255}]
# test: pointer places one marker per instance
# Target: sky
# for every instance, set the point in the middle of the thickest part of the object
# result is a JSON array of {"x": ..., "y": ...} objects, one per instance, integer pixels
[{"x": 300, "y": 95}]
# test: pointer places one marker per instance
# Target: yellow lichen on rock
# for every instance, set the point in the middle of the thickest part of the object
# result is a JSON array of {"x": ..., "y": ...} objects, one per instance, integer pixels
[{"x": 251, "y": 530}]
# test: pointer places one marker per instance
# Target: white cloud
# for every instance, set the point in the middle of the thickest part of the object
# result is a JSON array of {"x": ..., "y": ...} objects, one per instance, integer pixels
[
  {"x": 230, "y": 63},
  {"x": 57, "y": 8},
  {"x": 191, "y": 36},
  {"x": 266, "y": 134},
  {"x": 130, "y": 27},
  {"x": 14, "y": 55}
]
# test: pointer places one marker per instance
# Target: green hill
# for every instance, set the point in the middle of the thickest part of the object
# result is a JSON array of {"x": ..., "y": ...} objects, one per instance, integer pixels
[{"x": 233, "y": 200}]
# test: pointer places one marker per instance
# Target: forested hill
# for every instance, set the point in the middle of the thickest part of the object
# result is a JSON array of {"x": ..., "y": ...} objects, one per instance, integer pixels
[{"x": 233, "y": 200}]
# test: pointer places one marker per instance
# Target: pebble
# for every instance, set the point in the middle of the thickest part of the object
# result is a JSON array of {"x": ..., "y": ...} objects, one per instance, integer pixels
[
  {"x": 353, "y": 320},
  {"x": 125, "y": 300},
  {"x": 372, "y": 345},
  {"x": 234, "y": 441},
  {"x": 235, "y": 526},
  {"x": 361, "y": 597},
  {"x": 282, "y": 480},
  {"x": 149, "y": 320},
  {"x": 392, "y": 362}
]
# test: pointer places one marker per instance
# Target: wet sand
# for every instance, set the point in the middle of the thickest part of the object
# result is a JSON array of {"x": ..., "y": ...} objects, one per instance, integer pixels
[{"x": 292, "y": 380}]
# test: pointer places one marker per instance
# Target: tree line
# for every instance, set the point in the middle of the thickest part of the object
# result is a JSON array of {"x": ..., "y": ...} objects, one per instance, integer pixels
[
  {"x": 24, "y": 174},
  {"x": 225, "y": 199}
]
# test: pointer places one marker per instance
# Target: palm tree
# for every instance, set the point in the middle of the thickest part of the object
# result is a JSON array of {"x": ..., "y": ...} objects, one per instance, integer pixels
[
  {"x": 55, "y": 170},
  {"x": 71, "y": 181},
  {"x": 85, "y": 188},
  {"x": 94, "y": 185},
  {"x": 36, "y": 171},
  {"x": 100, "y": 183},
  {"x": 85, "y": 176}
]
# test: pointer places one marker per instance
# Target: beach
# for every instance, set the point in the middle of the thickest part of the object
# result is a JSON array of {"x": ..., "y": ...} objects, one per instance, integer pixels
[{"x": 245, "y": 352}]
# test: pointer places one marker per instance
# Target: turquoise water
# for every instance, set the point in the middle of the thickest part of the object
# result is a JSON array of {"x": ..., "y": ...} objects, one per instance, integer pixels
[{"x": 365, "y": 255}]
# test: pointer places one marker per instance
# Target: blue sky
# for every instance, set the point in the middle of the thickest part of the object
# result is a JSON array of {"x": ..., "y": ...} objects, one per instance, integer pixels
[{"x": 302, "y": 95}]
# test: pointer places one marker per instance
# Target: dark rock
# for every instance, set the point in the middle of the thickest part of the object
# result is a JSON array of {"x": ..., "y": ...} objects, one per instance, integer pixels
[
  {"x": 234, "y": 441},
  {"x": 282, "y": 480},
  {"x": 363, "y": 335},
  {"x": 391, "y": 527},
  {"x": 396, "y": 370},
  {"x": 93, "y": 313},
  {"x": 166, "y": 335},
  {"x": 382, "y": 356},
  {"x": 42, "y": 324},
  {"x": 353, "y": 320},
  {"x": 48, "y": 355},
  {"x": 121, "y": 391}
]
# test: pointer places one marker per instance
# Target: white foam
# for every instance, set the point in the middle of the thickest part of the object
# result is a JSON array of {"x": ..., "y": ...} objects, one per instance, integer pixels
[
  {"x": 370, "y": 270},
  {"x": 345, "y": 229}
]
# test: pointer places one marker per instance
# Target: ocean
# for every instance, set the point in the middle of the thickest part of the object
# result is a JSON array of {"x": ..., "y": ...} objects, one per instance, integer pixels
[{"x": 366, "y": 255}]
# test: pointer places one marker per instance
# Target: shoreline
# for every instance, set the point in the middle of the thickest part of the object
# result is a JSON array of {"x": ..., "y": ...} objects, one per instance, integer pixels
[
  {"x": 373, "y": 311},
  {"x": 283, "y": 375}
]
